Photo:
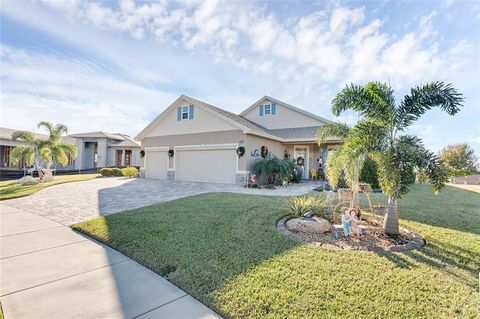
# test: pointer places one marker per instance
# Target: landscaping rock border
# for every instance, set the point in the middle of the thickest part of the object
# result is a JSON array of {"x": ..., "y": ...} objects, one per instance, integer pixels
[{"x": 417, "y": 241}]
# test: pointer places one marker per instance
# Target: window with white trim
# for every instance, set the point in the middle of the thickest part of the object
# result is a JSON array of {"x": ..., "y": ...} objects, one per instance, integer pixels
[
  {"x": 267, "y": 109},
  {"x": 185, "y": 112}
]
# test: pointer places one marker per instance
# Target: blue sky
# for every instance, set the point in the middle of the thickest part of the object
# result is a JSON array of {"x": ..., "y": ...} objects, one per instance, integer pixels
[{"x": 114, "y": 66}]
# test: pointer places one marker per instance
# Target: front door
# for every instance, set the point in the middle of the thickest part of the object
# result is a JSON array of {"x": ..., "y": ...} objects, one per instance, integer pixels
[
  {"x": 128, "y": 157},
  {"x": 301, "y": 155}
]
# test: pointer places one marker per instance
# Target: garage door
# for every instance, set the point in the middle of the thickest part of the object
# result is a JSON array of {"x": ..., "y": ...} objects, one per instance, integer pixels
[
  {"x": 218, "y": 165},
  {"x": 156, "y": 161}
]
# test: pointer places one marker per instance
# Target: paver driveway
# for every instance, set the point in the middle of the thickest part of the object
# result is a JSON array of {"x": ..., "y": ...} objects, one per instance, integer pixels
[{"x": 75, "y": 202}]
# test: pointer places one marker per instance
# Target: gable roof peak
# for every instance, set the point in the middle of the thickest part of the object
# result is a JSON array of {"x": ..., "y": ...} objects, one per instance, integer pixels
[{"x": 289, "y": 106}]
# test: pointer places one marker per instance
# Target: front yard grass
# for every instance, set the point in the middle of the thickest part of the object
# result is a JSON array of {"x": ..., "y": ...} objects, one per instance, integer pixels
[
  {"x": 10, "y": 189},
  {"x": 224, "y": 250}
]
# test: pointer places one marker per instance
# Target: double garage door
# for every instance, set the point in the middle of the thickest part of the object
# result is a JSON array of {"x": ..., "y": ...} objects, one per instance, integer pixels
[{"x": 213, "y": 163}]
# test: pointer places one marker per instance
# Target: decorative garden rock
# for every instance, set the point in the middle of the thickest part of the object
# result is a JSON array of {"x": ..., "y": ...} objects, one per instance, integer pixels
[
  {"x": 27, "y": 180},
  {"x": 310, "y": 225}
]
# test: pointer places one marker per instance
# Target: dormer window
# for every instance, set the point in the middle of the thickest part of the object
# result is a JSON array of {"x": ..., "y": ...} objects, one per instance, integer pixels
[{"x": 185, "y": 112}]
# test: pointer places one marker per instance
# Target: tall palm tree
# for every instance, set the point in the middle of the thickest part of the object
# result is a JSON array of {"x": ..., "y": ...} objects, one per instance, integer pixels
[
  {"x": 52, "y": 150},
  {"x": 378, "y": 133}
]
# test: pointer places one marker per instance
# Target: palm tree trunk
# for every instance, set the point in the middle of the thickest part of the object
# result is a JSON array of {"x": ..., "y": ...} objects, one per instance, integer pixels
[
  {"x": 356, "y": 198},
  {"x": 37, "y": 165},
  {"x": 390, "y": 225}
]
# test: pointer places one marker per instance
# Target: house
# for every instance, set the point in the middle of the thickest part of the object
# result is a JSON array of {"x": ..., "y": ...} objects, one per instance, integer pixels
[
  {"x": 8, "y": 167},
  {"x": 102, "y": 149},
  {"x": 195, "y": 141},
  {"x": 95, "y": 150}
]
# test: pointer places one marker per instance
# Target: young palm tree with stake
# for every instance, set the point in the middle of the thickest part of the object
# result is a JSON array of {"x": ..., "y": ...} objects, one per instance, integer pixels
[
  {"x": 52, "y": 150},
  {"x": 378, "y": 134}
]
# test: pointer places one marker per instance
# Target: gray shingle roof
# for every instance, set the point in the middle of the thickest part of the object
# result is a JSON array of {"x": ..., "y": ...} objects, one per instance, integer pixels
[
  {"x": 100, "y": 134},
  {"x": 128, "y": 142},
  {"x": 6, "y": 134},
  {"x": 295, "y": 132}
]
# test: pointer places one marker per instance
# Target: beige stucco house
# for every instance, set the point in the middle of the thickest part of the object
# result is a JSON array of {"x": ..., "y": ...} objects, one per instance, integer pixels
[{"x": 195, "y": 141}]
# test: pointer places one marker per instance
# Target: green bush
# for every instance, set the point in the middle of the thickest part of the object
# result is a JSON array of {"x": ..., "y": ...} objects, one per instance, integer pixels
[
  {"x": 117, "y": 171},
  {"x": 301, "y": 205},
  {"x": 129, "y": 171},
  {"x": 106, "y": 172},
  {"x": 274, "y": 169},
  {"x": 368, "y": 174}
]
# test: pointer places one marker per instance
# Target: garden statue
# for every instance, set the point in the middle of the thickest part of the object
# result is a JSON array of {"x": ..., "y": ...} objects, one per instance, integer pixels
[
  {"x": 354, "y": 221},
  {"x": 346, "y": 223}
]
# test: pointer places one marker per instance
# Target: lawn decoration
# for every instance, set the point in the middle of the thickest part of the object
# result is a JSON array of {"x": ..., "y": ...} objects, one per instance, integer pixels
[
  {"x": 264, "y": 151},
  {"x": 240, "y": 151}
]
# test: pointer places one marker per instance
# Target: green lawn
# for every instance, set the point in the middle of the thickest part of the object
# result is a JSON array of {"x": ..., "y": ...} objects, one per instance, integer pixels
[
  {"x": 10, "y": 189},
  {"x": 224, "y": 250}
]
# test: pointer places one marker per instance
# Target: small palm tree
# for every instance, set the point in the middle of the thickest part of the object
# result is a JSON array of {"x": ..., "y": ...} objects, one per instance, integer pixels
[
  {"x": 26, "y": 153},
  {"x": 351, "y": 155},
  {"x": 378, "y": 134},
  {"x": 52, "y": 150}
]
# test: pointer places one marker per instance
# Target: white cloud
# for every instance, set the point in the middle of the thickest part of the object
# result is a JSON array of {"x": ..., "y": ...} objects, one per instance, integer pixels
[
  {"x": 78, "y": 93},
  {"x": 333, "y": 44}
]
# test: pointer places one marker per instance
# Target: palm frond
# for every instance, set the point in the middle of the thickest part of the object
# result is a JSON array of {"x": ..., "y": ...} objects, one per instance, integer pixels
[
  {"x": 22, "y": 152},
  {"x": 24, "y": 136},
  {"x": 374, "y": 100},
  {"x": 61, "y": 129},
  {"x": 425, "y": 97},
  {"x": 47, "y": 126},
  {"x": 331, "y": 130}
]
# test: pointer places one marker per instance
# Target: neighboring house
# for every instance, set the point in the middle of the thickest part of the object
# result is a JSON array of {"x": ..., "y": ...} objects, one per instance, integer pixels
[
  {"x": 102, "y": 149},
  {"x": 7, "y": 145},
  {"x": 204, "y": 140},
  {"x": 95, "y": 150}
]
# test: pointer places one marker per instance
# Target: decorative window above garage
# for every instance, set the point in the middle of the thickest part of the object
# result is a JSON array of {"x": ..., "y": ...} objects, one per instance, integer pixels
[
  {"x": 268, "y": 109},
  {"x": 185, "y": 112}
]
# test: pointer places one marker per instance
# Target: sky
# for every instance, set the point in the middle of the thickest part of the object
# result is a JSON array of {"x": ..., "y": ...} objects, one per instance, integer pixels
[{"x": 115, "y": 65}]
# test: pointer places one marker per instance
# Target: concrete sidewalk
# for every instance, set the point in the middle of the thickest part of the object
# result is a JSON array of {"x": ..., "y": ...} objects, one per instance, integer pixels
[{"x": 49, "y": 271}]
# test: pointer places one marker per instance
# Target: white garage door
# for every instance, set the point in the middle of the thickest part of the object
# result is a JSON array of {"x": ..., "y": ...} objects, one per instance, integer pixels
[
  {"x": 156, "y": 161},
  {"x": 218, "y": 165}
]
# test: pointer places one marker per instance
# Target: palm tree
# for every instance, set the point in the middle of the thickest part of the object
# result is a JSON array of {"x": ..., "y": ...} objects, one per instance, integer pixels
[
  {"x": 54, "y": 151},
  {"x": 50, "y": 149},
  {"x": 351, "y": 155},
  {"x": 378, "y": 134},
  {"x": 23, "y": 152}
]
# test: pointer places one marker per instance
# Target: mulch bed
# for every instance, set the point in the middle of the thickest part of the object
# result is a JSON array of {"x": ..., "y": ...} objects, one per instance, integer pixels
[{"x": 374, "y": 240}]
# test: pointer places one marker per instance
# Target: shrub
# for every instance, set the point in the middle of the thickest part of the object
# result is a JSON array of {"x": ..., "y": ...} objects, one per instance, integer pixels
[
  {"x": 117, "y": 171},
  {"x": 106, "y": 172},
  {"x": 270, "y": 186},
  {"x": 301, "y": 205},
  {"x": 275, "y": 169},
  {"x": 129, "y": 171}
]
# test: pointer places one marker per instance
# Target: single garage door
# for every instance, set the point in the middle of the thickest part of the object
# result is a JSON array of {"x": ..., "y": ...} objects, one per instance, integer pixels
[
  {"x": 156, "y": 161},
  {"x": 218, "y": 165}
]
